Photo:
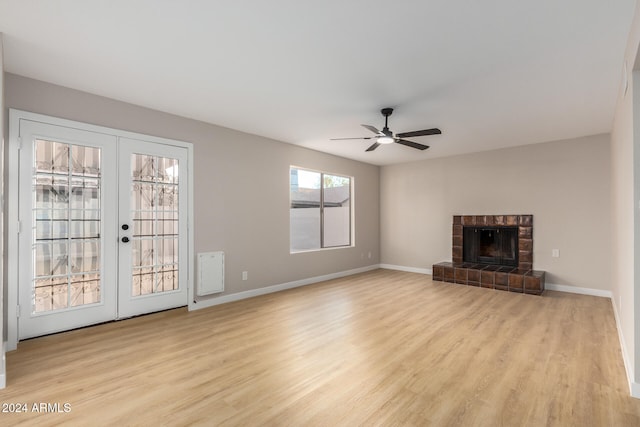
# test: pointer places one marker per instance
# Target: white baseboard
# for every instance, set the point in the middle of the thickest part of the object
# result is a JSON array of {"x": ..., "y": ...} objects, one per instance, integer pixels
[
  {"x": 276, "y": 288},
  {"x": 549, "y": 286},
  {"x": 407, "y": 269},
  {"x": 303, "y": 282},
  {"x": 577, "y": 290},
  {"x": 3, "y": 367},
  {"x": 634, "y": 387}
]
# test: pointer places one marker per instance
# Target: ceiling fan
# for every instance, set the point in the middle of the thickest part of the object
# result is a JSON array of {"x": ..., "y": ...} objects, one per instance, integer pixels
[{"x": 385, "y": 136}]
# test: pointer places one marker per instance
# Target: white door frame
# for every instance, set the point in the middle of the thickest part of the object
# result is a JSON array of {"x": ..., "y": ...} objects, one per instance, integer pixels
[{"x": 13, "y": 199}]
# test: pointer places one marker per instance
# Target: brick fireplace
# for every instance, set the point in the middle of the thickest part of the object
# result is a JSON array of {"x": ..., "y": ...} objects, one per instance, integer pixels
[{"x": 492, "y": 251}]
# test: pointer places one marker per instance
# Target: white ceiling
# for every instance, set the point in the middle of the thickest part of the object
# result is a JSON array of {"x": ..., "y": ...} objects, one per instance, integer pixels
[{"x": 490, "y": 74}]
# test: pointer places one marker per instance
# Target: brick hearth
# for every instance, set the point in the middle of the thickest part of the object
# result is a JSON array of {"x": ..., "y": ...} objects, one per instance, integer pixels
[{"x": 515, "y": 279}]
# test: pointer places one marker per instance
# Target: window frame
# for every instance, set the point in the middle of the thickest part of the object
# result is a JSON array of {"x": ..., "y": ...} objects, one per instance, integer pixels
[{"x": 322, "y": 247}]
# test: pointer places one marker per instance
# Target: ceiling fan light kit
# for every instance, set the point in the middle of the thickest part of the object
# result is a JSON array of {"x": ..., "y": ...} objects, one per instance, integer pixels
[{"x": 385, "y": 136}]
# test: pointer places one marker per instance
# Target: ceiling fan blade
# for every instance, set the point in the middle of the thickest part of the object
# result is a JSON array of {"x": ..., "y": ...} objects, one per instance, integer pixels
[
  {"x": 342, "y": 139},
  {"x": 412, "y": 144},
  {"x": 372, "y": 129},
  {"x": 373, "y": 147},
  {"x": 434, "y": 131}
]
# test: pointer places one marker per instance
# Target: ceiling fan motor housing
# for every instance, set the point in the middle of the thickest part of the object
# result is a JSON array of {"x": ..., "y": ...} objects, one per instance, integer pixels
[{"x": 386, "y": 111}]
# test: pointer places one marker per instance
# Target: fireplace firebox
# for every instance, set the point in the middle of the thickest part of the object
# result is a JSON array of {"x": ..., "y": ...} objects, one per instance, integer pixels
[{"x": 490, "y": 245}]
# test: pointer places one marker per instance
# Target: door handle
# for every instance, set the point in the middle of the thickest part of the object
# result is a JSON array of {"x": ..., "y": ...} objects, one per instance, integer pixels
[
  {"x": 125, "y": 239},
  {"x": 125, "y": 226}
]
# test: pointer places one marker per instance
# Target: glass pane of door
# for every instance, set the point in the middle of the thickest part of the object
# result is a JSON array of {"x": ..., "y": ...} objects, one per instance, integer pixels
[
  {"x": 155, "y": 215},
  {"x": 66, "y": 218}
]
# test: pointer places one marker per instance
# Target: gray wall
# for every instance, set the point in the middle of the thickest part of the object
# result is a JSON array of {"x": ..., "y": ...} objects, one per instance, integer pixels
[
  {"x": 622, "y": 213},
  {"x": 625, "y": 196},
  {"x": 564, "y": 184},
  {"x": 2, "y": 252},
  {"x": 241, "y": 186}
]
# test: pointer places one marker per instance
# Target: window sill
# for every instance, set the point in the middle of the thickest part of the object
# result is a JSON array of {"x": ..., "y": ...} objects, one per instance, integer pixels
[{"x": 332, "y": 248}]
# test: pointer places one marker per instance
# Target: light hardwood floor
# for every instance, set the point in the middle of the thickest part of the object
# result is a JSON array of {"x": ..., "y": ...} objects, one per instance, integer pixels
[{"x": 379, "y": 348}]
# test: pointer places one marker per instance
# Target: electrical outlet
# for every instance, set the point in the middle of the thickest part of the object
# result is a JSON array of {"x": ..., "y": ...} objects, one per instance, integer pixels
[
  {"x": 369, "y": 254},
  {"x": 245, "y": 275},
  {"x": 555, "y": 253}
]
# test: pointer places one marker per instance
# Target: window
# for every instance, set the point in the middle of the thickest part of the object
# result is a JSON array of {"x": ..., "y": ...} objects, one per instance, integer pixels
[{"x": 320, "y": 211}]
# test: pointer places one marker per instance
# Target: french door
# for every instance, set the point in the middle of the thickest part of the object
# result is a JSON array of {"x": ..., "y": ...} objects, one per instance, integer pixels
[
  {"x": 152, "y": 228},
  {"x": 102, "y": 230}
]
